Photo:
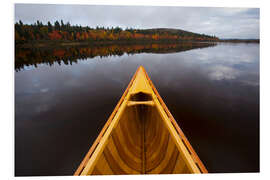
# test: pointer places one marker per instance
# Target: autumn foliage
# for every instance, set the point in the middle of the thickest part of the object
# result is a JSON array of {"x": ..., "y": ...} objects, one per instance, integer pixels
[
  {"x": 55, "y": 35},
  {"x": 66, "y": 32}
]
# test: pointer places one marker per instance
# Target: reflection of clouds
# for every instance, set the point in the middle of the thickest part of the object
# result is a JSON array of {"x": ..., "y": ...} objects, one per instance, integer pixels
[
  {"x": 241, "y": 58},
  {"x": 72, "y": 83},
  {"x": 36, "y": 84},
  {"x": 203, "y": 56},
  {"x": 229, "y": 54},
  {"x": 42, "y": 108},
  {"x": 44, "y": 102},
  {"x": 226, "y": 62},
  {"x": 30, "y": 67},
  {"x": 44, "y": 90},
  {"x": 251, "y": 82},
  {"x": 222, "y": 72}
]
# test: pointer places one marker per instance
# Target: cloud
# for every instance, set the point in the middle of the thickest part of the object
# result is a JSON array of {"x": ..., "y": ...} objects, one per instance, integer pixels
[{"x": 222, "y": 22}]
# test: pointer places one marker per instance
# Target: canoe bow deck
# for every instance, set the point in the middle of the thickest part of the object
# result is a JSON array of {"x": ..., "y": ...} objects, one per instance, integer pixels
[{"x": 141, "y": 137}]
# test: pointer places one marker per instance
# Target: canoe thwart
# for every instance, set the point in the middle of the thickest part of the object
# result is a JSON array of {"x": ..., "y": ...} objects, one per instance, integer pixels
[{"x": 133, "y": 103}]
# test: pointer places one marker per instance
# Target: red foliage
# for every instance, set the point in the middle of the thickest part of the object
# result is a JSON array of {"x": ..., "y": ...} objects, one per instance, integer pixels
[
  {"x": 78, "y": 35},
  {"x": 59, "y": 53},
  {"x": 54, "y": 35}
]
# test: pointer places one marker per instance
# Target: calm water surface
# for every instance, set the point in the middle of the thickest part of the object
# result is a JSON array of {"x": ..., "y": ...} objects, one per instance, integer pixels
[{"x": 212, "y": 92}]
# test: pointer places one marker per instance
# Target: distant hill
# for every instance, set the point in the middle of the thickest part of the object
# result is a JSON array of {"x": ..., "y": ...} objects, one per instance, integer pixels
[{"x": 178, "y": 32}]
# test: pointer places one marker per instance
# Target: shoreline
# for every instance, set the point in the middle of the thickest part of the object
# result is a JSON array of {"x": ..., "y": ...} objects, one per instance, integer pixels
[
  {"x": 50, "y": 43},
  {"x": 41, "y": 44}
]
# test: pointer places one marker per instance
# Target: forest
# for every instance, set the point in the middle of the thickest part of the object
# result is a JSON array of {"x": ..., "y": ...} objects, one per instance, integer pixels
[{"x": 65, "y": 32}]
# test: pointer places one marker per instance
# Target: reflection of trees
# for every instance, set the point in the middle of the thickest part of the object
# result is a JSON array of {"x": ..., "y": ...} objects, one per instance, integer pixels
[{"x": 69, "y": 55}]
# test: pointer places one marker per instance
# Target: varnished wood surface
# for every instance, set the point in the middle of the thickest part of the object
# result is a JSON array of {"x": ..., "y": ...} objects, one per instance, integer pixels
[
  {"x": 140, "y": 126},
  {"x": 94, "y": 145},
  {"x": 141, "y": 137}
]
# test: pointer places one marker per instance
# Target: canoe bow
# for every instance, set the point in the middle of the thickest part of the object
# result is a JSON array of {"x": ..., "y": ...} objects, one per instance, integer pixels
[{"x": 141, "y": 137}]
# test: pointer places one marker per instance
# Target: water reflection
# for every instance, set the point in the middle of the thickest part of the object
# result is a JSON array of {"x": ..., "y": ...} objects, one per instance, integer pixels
[
  {"x": 213, "y": 93},
  {"x": 31, "y": 57}
]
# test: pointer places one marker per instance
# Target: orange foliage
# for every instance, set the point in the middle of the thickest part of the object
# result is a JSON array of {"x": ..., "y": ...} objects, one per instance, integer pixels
[
  {"x": 54, "y": 35},
  {"x": 59, "y": 53}
]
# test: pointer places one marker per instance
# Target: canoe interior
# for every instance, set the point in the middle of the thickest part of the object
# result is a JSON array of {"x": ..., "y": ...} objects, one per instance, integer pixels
[
  {"x": 140, "y": 139},
  {"x": 140, "y": 144}
]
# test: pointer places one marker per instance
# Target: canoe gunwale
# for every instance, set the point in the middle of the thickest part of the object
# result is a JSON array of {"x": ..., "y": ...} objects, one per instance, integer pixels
[
  {"x": 125, "y": 97},
  {"x": 89, "y": 167},
  {"x": 193, "y": 154},
  {"x": 103, "y": 130}
]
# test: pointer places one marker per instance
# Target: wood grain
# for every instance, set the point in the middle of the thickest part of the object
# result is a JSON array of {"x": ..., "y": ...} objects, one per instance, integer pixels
[{"x": 141, "y": 137}]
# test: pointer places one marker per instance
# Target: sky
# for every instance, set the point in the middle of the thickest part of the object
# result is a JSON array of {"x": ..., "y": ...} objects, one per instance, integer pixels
[{"x": 226, "y": 22}]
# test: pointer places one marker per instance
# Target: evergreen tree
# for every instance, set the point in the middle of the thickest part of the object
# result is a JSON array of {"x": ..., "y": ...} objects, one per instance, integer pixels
[
  {"x": 50, "y": 28},
  {"x": 56, "y": 25},
  {"x": 62, "y": 25}
]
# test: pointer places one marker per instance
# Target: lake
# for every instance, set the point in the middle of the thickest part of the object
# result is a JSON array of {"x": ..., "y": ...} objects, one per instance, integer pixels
[{"x": 64, "y": 96}]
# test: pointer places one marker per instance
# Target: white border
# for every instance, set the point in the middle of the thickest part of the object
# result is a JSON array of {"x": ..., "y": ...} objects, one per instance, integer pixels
[
  {"x": 7, "y": 82},
  {"x": 196, "y": 3}
]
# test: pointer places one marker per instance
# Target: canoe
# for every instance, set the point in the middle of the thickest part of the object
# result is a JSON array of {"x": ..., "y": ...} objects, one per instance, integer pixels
[{"x": 141, "y": 137}]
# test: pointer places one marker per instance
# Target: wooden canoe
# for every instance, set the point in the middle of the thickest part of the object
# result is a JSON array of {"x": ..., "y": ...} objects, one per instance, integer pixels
[{"x": 141, "y": 137}]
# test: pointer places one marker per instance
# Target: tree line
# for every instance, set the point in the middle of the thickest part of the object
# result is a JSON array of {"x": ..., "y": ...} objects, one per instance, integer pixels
[{"x": 60, "y": 31}]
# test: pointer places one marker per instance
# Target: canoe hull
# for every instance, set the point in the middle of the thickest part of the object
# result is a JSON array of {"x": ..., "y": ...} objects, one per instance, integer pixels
[{"x": 141, "y": 137}]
